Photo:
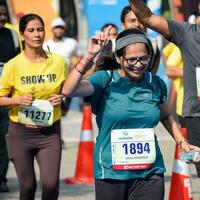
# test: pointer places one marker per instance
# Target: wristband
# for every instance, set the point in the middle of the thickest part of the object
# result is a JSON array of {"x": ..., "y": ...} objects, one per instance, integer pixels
[
  {"x": 180, "y": 143},
  {"x": 79, "y": 70}
]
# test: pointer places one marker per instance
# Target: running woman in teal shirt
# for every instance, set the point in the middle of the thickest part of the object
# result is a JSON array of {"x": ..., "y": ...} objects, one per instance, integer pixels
[{"x": 128, "y": 102}]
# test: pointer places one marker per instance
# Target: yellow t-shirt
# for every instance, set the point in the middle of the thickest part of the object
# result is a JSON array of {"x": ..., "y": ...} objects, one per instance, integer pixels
[
  {"x": 167, "y": 50},
  {"x": 174, "y": 59},
  {"x": 20, "y": 76}
]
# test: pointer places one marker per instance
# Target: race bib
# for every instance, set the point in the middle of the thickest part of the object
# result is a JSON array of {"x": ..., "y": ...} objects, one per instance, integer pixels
[
  {"x": 198, "y": 82},
  {"x": 40, "y": 113},
  {"x": 133, "y": 149}
]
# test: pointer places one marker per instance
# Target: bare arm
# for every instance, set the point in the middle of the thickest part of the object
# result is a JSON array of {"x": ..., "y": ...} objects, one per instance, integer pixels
[
  {"x": 173, "y": 128},
  {"x": 8, "y": 101},
  {"x": 24, "y": 100},
  {"x": 74, "y": 85},
  {"x": 174, "y": 72},
  {"x": 148, "y": 19}
]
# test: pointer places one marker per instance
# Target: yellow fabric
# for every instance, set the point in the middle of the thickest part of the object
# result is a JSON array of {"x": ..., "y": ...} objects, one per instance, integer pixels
[
  {"x": 174, "y": 59},
  {"x": 168, "y": 49},
  {"x": 20, "y": 76}
]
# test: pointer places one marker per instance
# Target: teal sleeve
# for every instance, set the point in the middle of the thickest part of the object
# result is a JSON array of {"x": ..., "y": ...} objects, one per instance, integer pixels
[
  {"x": 98, "y": 80},
  {"x": 161, "y": 89}
]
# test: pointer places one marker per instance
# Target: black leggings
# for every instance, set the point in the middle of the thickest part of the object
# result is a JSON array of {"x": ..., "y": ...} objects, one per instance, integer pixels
[
  {"x": 193, "y": 129},
  {"x": 150, "y": 188},
  {"x": 44, "y": 144}
]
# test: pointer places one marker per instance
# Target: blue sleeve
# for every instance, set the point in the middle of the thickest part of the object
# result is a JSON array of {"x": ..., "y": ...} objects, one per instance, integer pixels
[{"x": 99, "y": 81}]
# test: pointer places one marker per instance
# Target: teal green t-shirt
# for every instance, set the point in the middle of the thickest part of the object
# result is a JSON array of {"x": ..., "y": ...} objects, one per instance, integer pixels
[{"x": 124, "y": 105}]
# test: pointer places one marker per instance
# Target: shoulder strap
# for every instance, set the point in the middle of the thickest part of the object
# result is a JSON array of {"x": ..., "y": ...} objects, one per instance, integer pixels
[{"x": 110, "y": 72}]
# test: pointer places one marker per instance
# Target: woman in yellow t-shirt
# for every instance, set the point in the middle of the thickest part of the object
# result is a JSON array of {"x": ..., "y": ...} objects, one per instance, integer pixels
[{"x": 30, "y": 85}]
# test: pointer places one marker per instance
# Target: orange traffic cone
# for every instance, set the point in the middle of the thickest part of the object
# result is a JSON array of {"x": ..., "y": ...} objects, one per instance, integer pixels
[
  {"x": 84, "y": 164},
  {"x": 180, "y": 188}
]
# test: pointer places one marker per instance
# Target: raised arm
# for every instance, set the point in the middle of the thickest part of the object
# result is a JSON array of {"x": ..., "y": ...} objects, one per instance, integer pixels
[
  {"x": 74, "y": 85},
  {"x": 174, "y": 130},
  {"x": 148, "y": 19}
]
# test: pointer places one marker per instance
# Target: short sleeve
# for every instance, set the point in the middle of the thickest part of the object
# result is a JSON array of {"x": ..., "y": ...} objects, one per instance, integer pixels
[
  {"x": 6, "y": 80},
  {"x": 99, "y": 80},
  {"x": 168, "y": 49},
  {"x": 178, "y": 31},
  {"x": 161, "y": 89},
  {"x": 175, "y": 58}
]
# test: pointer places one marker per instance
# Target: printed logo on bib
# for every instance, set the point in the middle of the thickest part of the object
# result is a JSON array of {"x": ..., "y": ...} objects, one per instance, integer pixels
[
  {"x": 40, "y": 113},
  {"x": 198, "y": 82},
  {"x": 133, "y": 149}
]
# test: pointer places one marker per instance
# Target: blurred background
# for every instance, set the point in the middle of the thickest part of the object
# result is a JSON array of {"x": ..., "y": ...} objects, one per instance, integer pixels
[{"x": 83, "y": 18}]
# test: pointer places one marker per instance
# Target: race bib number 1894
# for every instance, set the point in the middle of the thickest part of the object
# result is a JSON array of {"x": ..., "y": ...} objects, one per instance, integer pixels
[{"x": 133, "y": 149}]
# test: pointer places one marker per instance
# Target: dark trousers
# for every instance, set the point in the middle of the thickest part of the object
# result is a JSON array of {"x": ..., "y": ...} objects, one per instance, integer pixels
[
  {"x": 3, "y": 148},
  {"x": 193, "y": 130},
  {"x": 43, "y": 144},
  {"x": 150, "y": 188}
]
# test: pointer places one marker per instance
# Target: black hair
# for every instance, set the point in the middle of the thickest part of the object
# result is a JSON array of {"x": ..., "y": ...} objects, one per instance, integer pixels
[
  {"x": 124, "y": 12},
  {"x": 3, "y": 3},
  {"x": 107, "y": 63},
  {"x": 26, "y": 19},
  {"x": 124, "y": 33},
  {"x": 109, "y": 24},
  {"x": 197, "y": 15},
  {"x": 127, "y": 32}
]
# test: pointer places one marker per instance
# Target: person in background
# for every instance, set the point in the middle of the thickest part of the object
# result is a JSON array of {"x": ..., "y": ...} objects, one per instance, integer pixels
[
  {"x": 113, "y": 32},
  {"x": 197, "y": 19},
  {"x": 65, "y": 46},
  {"x": 107, "y": 53},
  {"x": 129, "y": 20},
  {"x": 192, "y": 17},
  {"x": 128, "y": 107},
  {"x": 30, "y": 86},
  {"x": 174, "y": 70},
  {"x": 186, "y": 37},
  {"x": 9, "y": 47},
  {"x": 111, "y": 37}
]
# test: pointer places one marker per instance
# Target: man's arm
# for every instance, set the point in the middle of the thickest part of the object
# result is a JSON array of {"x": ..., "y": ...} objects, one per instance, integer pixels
[{"x": 148, "y": 19}]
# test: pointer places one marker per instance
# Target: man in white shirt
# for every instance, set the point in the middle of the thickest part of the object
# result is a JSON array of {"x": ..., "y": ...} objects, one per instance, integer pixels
[{"x": 65, "y": 46}]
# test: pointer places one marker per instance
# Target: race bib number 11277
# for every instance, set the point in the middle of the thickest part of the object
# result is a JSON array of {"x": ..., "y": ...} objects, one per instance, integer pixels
[{"x": 40, "y": 113}]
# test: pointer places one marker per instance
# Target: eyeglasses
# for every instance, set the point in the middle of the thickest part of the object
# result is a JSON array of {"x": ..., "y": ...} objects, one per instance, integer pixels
[{"x": 144, "y": 60}]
